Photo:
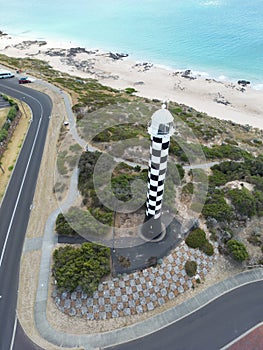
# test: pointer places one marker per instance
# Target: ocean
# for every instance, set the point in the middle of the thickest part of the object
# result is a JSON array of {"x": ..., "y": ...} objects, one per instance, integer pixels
[{"x": 219, "y": 38}]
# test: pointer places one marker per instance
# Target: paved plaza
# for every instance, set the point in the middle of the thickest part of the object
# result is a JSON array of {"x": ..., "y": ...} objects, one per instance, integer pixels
[{"x": 138, "y": 292}]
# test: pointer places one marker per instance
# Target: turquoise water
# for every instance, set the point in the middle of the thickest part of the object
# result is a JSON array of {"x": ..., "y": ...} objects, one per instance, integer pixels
[{"x": 223, "y": 38}]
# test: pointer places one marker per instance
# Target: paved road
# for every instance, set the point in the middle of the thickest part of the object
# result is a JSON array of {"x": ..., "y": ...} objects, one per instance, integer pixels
[
  {"x": 15, "y": 208},
  {"x": 210, "y": 328}
]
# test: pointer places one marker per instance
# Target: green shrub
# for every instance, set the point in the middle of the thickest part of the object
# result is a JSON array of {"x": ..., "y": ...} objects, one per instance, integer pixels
[
  {"x": 3, "y": 135},
  {"x": 208, "y": 249},
  {"x": 225, "y": 151},
  {"x": 216, "y": 207},
  {"x": 197, "y": 239},
  {"x": 190, "y": 268},
  {"x": 237, "y": 250},
  {"x": 84, "y": 267},
  {"x": 63, "y": 227},
  {"x": 130, "y": 90},
  {"x": 243, "y": 201}
]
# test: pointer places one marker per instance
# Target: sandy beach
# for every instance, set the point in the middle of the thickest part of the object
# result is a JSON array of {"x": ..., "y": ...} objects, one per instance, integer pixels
[{"x": 221, "y": 99}]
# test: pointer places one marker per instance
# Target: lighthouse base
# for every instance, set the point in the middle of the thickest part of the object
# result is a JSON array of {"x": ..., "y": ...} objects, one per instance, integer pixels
[{"x": 152, "y": 229}]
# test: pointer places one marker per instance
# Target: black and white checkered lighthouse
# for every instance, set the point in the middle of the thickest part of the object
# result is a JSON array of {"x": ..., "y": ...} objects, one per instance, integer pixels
[{"x": 160, "y": 129}]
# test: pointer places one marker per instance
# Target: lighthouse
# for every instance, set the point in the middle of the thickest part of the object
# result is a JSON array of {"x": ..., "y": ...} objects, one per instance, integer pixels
[{"x": 160, "y": 130}]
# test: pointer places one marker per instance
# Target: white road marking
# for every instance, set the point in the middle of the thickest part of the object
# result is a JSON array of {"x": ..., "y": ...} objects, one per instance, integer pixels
[
  {"x": 13, "y": 335},
  {"x": 19, "y": 193}
]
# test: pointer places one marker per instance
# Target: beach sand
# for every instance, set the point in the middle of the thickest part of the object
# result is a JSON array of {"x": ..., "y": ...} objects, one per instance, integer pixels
[{"x": 221, "y": 99}]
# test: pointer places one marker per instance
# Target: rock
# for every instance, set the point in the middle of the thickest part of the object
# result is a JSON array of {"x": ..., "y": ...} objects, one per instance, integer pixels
[
  {"x": 72, "y": 312},
  {"x": 243, "y": 82},
  {"x": 221, "y": 99},
  {"x": 188, "y": 74},
  {"x": 56, "y": 52},
  {"x": 73, "y": 51},
  {"x": 117, "y": 56},
  {"x": 144, "y": 66},
  {"x": 27, "y": 43}
]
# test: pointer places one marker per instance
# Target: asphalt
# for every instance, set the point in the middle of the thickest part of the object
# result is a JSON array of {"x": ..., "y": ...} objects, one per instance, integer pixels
[
  {"x": 15, "y": 207},
  {"x": 215, "y": 325}
]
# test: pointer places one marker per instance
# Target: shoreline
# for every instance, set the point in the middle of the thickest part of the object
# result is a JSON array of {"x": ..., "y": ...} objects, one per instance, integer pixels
[{"x": 220, "y": 99}]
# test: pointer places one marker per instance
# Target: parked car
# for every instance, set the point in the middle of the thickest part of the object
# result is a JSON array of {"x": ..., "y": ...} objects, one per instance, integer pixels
[
  {"x": 24, "y": 80},
  {"x": 6, "y": 74}
]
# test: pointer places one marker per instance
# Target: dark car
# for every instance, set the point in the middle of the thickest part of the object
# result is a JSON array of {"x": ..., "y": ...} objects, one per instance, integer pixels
[{"x": 24, "y": 80}]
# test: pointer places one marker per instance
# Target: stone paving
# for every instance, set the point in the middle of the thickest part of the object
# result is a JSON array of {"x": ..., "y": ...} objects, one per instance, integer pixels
[{"x": 138, "y": 292}]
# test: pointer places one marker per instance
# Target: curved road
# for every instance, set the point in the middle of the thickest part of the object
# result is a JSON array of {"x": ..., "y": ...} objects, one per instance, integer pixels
[
  {"x": 15, "y": 208},
  {"x": 211, "y": 327}
]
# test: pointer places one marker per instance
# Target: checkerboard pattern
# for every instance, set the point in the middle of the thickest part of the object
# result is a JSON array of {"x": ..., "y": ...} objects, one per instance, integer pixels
[
  {"x": 156, "y": 175},
  {"x": 138, "y": 292}
]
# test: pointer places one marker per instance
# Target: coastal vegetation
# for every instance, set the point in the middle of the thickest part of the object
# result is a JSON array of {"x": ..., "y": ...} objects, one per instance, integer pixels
[
  {"x": 8, "y": 121},
  {"x": 235, "y": 191},
  {"x": 63, "y": 227},
  {"x": 82, "y": 267},
  {"x": 190, "y": 268},
  {"x": 13, "y": 127},
  {"x": 197, "y": 239},
  {"x": 237, "y": 250}
]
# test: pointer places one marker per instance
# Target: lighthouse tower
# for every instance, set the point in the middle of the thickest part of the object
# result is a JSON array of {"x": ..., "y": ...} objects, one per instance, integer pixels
[{"x": 160, "y": 129}]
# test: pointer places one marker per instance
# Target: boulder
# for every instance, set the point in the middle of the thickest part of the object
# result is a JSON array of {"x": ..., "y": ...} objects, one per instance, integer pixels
[
  {"x": 243, "y": 82},
  {"x": 117, "y": 56}
]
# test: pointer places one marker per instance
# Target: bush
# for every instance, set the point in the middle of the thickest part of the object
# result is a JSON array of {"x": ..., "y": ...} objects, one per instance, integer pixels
[
  {"x": 225, "y": 151},
  {"x": 84, "y": 267},
  {"x": 3, "y": 135},
  {"x": 130, "y": 90},
  {"x": 216, "y": 207},
  {"x": 243, "y": 201},
  {"x": 237, "y": 250},
  {"x": 197, "y": 239},
  {"x": 208, "y": 249},
  {"x": 190, "y": 268},
  {"x": 63, "y": 227}
]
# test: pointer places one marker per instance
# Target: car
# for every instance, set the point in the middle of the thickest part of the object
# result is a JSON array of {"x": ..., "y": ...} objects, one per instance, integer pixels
[
  {"x": 24, "y": 80},
  {"x": 6, "y": 74}
]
